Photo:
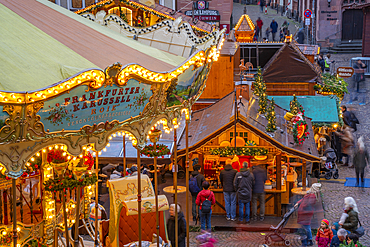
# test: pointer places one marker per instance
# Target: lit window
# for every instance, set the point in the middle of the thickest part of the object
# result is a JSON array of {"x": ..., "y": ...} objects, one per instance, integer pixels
[{"x": 125, "y": 12}]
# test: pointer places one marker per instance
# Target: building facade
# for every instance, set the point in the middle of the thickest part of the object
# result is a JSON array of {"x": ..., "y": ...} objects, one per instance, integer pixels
[{"x": 215, "y": 12}]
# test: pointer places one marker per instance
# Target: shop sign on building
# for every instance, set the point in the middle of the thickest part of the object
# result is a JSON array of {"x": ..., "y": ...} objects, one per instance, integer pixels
[{"x": 202, "y": 13}]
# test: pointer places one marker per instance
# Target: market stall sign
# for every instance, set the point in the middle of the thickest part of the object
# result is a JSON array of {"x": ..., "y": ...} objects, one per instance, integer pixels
[
  {"x": 83, "y": 107},
  {"x": 345, "y": 72}
]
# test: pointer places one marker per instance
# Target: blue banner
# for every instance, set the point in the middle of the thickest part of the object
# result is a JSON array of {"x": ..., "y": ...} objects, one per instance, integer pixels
[{"x": 82, "y": 107}]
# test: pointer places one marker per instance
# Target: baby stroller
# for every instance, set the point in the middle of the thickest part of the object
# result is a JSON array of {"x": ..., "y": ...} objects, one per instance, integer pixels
[
  {"x": 276, "y": 235},
  {"x": 328, "y": 167}
]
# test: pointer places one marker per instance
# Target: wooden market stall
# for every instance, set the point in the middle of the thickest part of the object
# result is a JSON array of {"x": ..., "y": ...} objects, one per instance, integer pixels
[
  {"x": 244, "y": 29},
  {"x": 211, "y": 138},
  {"x": 58, "y": 111},
  {"x": 280, "y": 73}
]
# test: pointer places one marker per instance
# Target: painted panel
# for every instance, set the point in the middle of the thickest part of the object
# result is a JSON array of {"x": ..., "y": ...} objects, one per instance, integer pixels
[{"x": 82, "y": 107}]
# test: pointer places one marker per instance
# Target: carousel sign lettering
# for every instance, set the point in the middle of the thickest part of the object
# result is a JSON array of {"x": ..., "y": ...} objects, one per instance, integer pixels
[{"x": 74, "y": 111}]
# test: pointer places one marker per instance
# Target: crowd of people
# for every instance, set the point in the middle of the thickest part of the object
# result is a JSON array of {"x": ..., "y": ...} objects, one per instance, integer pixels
[
  {"x": 347, "y": 229},
  {"x": 273, "y": 29},
  {"x": 241, "y": 187}
]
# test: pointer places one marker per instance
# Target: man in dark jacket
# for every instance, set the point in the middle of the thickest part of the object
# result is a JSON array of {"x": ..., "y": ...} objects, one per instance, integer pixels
[
  {"x": 260, "y": 176},
  {"x": 227, "y": 180},
  {"x": 274, "y": 28},
  {"x": 347, "y": 117},
  {"x": 200, "y": 179},
  {"x": 181, "y": 226},
  {"x": 243, "y": 183}
]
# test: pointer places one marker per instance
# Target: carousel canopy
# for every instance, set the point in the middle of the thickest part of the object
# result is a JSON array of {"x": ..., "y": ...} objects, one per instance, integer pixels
[
  {"x": 322, "y": 109},
  {"x": 42, "y": 43}
]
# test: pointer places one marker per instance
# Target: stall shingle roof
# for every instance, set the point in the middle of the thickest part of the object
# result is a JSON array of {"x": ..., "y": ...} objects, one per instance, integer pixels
[
  {"x": 212, "y": 121},
  {"x": 290, "y": 65}
]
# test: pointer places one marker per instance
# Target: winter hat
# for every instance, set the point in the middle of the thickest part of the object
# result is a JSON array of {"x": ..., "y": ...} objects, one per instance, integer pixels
[
  {"x": 325, "y": 221},
  {"x": 336, "y": 225}
]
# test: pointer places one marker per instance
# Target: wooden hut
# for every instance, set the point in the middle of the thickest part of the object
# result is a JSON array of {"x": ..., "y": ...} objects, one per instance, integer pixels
[
  {"x": 290, "y": 72},
  {"x": 216, "y": 126},
  {"x": 244, "y": 30}
]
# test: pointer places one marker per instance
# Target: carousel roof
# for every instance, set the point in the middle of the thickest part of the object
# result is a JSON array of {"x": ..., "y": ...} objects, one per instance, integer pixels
[
  {"x": 156, "y": 9},
  {"x": 285, "y": 64},
  {"x": 42, "y": 43},
  {"x": 212, "y": 121}
]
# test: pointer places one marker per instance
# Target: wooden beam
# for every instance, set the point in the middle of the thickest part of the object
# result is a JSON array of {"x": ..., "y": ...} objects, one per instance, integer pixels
[
  {"x": 278, "y": 185},
  {"x": 304, "y": 175}
]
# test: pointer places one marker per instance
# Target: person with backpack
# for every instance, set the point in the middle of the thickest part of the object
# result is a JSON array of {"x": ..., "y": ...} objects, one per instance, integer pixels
[
  {"x": 243, "y": 183},
  {"x": 205, "y": 200},
  {"x": 227, "y": 176},
  {"x": 195, "y": 185}
]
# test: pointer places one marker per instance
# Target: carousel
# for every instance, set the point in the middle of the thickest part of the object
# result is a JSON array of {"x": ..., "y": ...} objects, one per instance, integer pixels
[{"x": 51, "y": 139}]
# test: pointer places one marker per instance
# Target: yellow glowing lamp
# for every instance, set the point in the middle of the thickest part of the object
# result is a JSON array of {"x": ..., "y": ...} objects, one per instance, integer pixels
[{"x": 260, "y": 157}]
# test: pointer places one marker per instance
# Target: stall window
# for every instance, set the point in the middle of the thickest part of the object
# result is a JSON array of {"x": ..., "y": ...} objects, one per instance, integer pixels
[
  {"x": 244, "y": 135},
  {"x": 125, "y": 11}
]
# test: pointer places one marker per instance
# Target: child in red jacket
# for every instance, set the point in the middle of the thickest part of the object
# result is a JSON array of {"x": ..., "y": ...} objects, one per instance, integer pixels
[
  {"x": 324, "y": 234},
  {"x": 205, "y": 218}
]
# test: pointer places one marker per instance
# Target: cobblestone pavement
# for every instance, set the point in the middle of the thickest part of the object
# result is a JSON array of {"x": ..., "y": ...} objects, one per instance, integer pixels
[
  {"x": 254, "y": 12},
  {"x": 334, "y": 193},
  {"x": 243, "y": 239}
]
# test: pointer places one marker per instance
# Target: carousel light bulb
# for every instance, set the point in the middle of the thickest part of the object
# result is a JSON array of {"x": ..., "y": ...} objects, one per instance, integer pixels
[
  {"x": 84, "y": 148},
  {"x": 27, "y": 164},
  {"x": 44, "y": 150},
  {"x": 119, "y": 133},
  {"x": 108, "y": 145},
  {"x": 74, "y": 158},
  {"x": 66, "y": 209},
  {"x": 73, "y": 221},
  {"x": 32, "y": 159},
  {"x": 18, "y": 229},
  {"x": 114, "y": 135},
  {"x": 104, "y": 149},
  {"x": 110, "y": 137},
  {"x": 80, "y": 156},
  {"x": 68, "y": 157},
  {"x": 99, "y": 153},
  {"x": 4, "y": 233},
  {"x": 94, "y": 153},
  {"x": 56, "y": 147},
  {"x": 37, "y": 154},
  {"x": 73, "y": 205}
]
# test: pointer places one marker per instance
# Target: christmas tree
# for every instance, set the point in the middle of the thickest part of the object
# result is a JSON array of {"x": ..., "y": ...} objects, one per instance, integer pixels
[
  {"x": 295, "y": 106},
  {"x": 271, "y": 117},
  {"x": 260, "y": 91},
  {"x": 258, "y": 84}
]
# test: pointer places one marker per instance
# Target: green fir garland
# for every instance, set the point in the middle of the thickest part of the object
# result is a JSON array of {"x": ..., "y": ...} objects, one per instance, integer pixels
[
  {"x": 240, "y": 151},
  {"x": 161, "y": 150},
  {"x": 69, "y": 182},
  {"x": 271, "y": 117},
  {"x": 300, "y": 140},
  {"x": 332, "y": 84}
]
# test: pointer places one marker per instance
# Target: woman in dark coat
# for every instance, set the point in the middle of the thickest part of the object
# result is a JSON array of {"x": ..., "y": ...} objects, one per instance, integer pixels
[{"x": 181, "y": 226}]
